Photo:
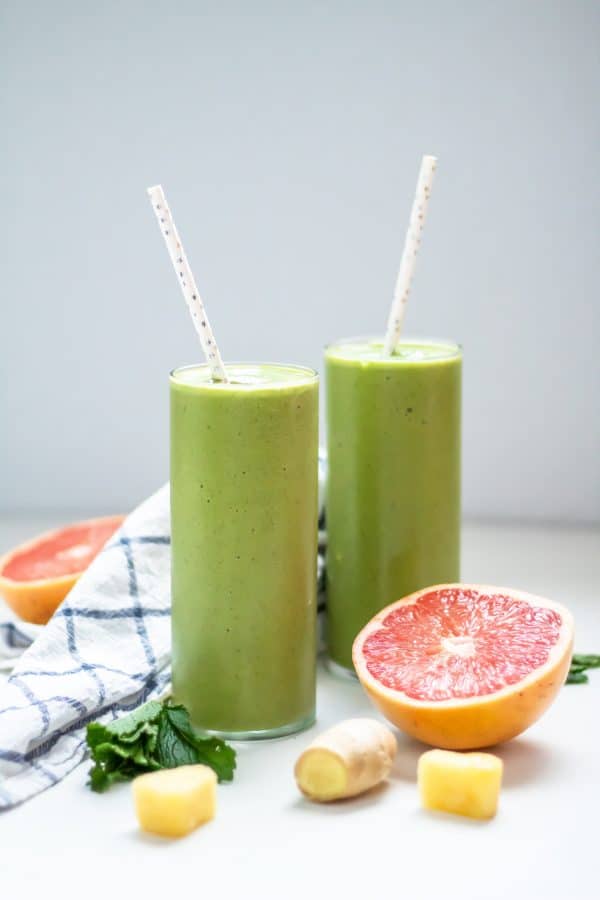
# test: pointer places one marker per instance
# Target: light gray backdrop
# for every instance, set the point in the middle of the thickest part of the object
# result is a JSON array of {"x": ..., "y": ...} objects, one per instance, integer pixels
[{"x": 288, "y": 137}]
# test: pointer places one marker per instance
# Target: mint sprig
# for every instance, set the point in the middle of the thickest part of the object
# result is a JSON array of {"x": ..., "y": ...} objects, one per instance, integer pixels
[
  {"x": 579, "y": 665},
  {"x": 154, "y": 736}
]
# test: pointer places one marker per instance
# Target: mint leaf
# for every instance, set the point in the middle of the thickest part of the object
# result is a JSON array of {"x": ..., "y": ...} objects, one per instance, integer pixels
[
  {"x": 128, "y": 729},
  {"x": 179, "y": 718},
  {"x": 577, "y": 678},
  {"x": 100, "y": 780},
  {"x": 580, "y": 662},
  {"x": 172, "y": 749},
  {"x": 218, "y": 755},
  {"x": 209, "y": 751},
  {"x": 130, "y": 726},
  {"x": 588, "y": 660},
  {"x": 154, "y": 736}
]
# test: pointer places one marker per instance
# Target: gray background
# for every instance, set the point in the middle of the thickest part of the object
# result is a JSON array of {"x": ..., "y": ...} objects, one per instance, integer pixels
[{"x": 288, "y": 138}]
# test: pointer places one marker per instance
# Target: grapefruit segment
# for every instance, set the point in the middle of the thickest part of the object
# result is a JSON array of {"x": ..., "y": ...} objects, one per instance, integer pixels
[
  {"x": 465, "y": 666},
  {"x": 36, "y": 577}
]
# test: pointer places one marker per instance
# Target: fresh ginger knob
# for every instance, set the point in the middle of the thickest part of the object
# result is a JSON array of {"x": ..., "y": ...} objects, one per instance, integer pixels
[{"x": 346, "y": 760}]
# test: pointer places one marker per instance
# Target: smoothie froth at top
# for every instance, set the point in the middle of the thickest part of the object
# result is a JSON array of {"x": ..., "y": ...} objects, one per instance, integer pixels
[
  {"x": 245, "y": 376},
  {"x": 370, "y": 350}
]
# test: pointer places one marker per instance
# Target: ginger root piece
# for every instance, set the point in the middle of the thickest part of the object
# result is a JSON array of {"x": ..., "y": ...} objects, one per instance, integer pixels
[
  {"x": 172, "y": 802},
  {"x": 346, "y": 760},
  {"x": 467, "y": 784}
]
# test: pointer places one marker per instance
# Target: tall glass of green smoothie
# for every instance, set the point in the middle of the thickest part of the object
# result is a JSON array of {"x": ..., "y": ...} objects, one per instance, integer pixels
[
  {"x": 244, "y": 545},
  {"x": 393, "y": 495}
]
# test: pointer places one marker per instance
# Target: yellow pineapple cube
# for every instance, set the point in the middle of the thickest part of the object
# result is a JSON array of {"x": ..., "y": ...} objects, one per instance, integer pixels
[
  {"x": 467, "y": 784},
  {"x": 173, "y": 802}
]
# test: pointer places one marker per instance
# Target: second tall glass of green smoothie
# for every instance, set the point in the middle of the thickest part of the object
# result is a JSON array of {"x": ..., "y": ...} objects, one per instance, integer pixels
[
  {"x": 393, "y": 494},
  {"x": 244, "y": 544}
]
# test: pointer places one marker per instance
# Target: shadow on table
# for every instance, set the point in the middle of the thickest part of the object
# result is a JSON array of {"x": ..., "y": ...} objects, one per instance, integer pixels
[
  {"x": 156, "y": 840},
  {"x": 525, "y": 760},
  {"x": 405, "y": 763},
  {"x": 457, "y": 821},
  {"x": 346, "y": 806}
]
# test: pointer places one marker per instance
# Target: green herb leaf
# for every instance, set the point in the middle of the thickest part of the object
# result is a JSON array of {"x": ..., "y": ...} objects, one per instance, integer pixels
[
  {"x": 589, "y": 660},
  {"x": 577, "y": 678},
  {"x": 579, "y": 664},
  {"x": 172, "y": 749},
  {"x": 179, "y": 718},
  {"x": 218, "y": 755},
  {"x": 129, "y": 727},
  {"x": 210, "y": 751},
  {"x": 154, "y": 736}
]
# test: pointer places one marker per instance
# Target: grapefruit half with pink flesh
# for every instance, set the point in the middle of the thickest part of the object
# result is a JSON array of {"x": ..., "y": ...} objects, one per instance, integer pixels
[
  {"x": 37, "y": 576},
  {"x": 463, "y": 666}
]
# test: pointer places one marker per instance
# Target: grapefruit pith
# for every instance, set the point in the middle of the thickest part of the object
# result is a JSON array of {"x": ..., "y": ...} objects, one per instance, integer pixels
[
  {"x": 464, "y": 666},
  {"x": 36, "y": 577}
]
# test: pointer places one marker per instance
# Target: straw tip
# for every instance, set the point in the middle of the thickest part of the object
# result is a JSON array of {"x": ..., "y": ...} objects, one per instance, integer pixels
[{"x": 153, "y": 189}]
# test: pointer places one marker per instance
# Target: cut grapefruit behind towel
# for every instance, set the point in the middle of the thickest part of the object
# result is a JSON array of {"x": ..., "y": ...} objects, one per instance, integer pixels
[
  {"x": 37, "y": 576},
  {"x": 464, "y": 666}
]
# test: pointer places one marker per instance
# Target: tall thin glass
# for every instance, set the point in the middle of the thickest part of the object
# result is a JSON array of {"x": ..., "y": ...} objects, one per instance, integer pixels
[
  {"x": 244, "y": 544},
  {"x": 393, "y": 495}
]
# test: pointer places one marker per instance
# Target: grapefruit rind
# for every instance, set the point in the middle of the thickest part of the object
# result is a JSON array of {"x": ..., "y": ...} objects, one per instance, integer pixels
[
  {"x": 473, "y": 722},
  {"x": 36, "y": 601}
]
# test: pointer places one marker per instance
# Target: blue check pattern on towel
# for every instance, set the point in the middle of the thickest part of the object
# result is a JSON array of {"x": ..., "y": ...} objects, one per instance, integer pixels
[{"x": 106, "y": 650}]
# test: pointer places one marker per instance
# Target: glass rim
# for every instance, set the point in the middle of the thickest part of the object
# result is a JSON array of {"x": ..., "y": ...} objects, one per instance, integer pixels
[
  {"x": 455, "y": 346},
  {"x": 310, "y": 373}
]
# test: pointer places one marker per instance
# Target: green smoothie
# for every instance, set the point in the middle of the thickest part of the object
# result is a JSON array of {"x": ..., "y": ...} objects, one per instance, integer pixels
[
  {"x": 393, "y": 495},
  {"x": 244, "y": 545}
]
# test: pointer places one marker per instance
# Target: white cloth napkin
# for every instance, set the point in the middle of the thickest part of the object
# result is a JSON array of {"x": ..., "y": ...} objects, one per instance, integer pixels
[{"x": 106, "y": 650}]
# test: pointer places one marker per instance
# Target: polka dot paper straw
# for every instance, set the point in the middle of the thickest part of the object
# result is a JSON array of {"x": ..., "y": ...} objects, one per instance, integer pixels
[
  {"x": 409, "y": 254},
  {"x": 187, "y": 283}
]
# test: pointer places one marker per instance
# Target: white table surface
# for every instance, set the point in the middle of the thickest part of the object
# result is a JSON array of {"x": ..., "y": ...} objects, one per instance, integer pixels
[{"x": 269, "y": 842}]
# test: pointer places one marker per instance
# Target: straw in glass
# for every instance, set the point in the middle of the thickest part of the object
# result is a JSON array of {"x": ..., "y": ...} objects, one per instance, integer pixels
[
  {"x": 409, "y": 254},
  {"x": 187, "y": 283}
]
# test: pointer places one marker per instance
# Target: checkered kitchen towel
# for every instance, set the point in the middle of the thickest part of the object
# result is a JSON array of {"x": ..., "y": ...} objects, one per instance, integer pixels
[{"x": 105, "y": 651}]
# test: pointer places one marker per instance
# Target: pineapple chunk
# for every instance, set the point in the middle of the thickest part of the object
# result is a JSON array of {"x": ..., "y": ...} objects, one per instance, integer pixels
[
  {"x": 173, "y": 802},
  {"x": 467, "y": 784}
]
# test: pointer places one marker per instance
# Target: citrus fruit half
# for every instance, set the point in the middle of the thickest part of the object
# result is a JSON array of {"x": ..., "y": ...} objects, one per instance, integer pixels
[
  {"x": 37, "y": 576},
  {"x": 463, "y": 666}
]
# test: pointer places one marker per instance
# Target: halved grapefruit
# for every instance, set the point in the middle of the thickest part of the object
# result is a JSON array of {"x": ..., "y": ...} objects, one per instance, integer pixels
[
  {"x": 37, "y": 576},
  {"x": 463, "y": 666}
]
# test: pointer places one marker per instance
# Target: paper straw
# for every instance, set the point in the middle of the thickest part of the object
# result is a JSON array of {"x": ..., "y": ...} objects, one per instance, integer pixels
[
  {"x": 409, "y": 254},
  {"x": 187, "y": 283}
]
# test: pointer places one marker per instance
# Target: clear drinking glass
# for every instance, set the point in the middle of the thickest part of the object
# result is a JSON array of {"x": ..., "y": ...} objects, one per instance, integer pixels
[
  {"x": 244, "y": 545},
  {"x": 393, "y": 493}
]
